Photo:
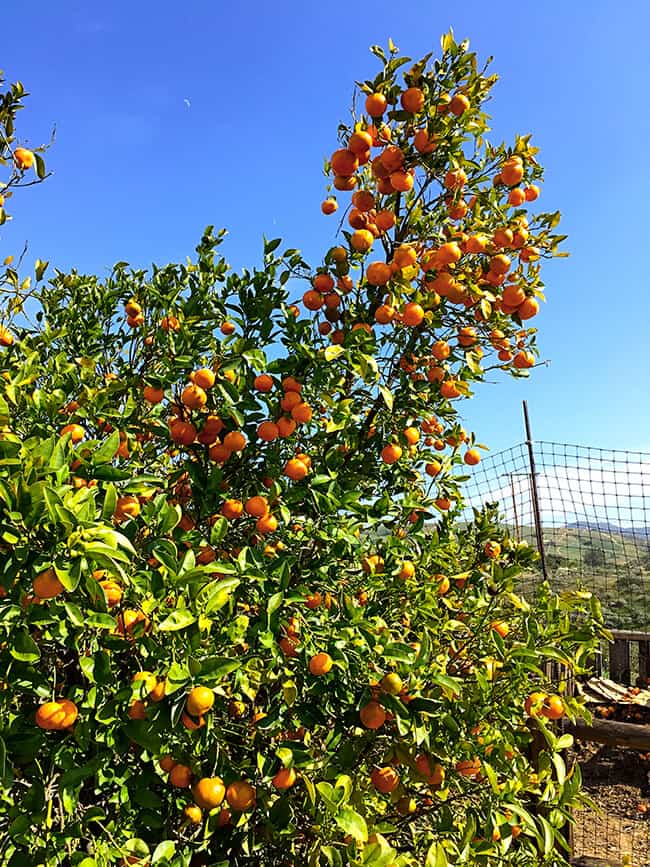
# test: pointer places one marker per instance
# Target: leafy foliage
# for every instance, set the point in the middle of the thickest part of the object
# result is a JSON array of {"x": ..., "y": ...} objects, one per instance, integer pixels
[{"x": 218, "y": 543}]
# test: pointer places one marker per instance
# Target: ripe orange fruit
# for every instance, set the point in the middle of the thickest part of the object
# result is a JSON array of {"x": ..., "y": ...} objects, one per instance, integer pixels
[
  {"x": 182, "y": 432},
  {"x": 373, "y": 564},
  {"x": 528, "y": 308},
  {"x": 492, "y": 550},
  {"x": 152, "y": 394},
  {"x": 137, "y": 710},
  {"x": 412, "y": 100},
  {"x": 286, "y": 426},
  {"x": 384, "y": 314},
  {"x": 47, "y": 585},
  {"x": 362, "y": 240},
  {"x": 372, "y": 715},
  {"x": 433, "y": 468},
  {"x": 209, "y": 792},
  {"x": 472, "y": 457},
  {"x": 263, "y": 383},
  {"x": 531, "y": 192},
  {"x": 257, "y": 506},
  {"x": 227, "y": 328},
  {"x": 77, "y": 433},
  {"x": 241, "y": 796},
  {"x": 385, "y": 780},
  {"x": 469, "y": 767},
  {"x": 167, "y": 763},
  {"x": 405, "y": 256},
  {"x": 391, "y": 453},
  {"x": 295, "y": 469},
  {"x": 312, "y": 299},
  {"x": 112, "y": 592},
  {"x": 523, "y": 360},
  {"x": 268, "y": 431},
  {"x": 320, "y": 664},
  {"x": 553, "y": 707},
  {"x": 459, "y": 104},
  {"x": 344, "y": 183},
  {"x": 455, "y": 179},
  {"x": 194, "y": 397},
  {"x": 170, "y": 323},
  {"x": 180, "y": 776},
  {"x": 512, "y": 171},
  {"x": 6, "y": 337},
  {"x": 360, "y": 142},
  {"x": 219, "y": 453},
  {"x": 433, "y": 772},
  {"x": 267, "y": 524},
  {"x": 23, "y": 158},
  {"x": 401, "y": 181},
  {"x": 199, "y": 700},
  {"x": 534, "y": 703},
  {"x": 235, "y": 441},
  {"x": 363, "y": 201},
  {"x": 285, "y": 779},
  {"x": 301, "y": 413},
  {"x": 204, "y": 377},
  {"x": 423, "y": 142},
  {"x": 385, "y": 220},
  {"x": 313, "y": 601},
  {"x": 288, "y": 647},
  {"x": 193, "y": 814},
  {"x": 378, "y": 273},
  {"x": 329, "y": 206},
  {"x": 232, "y": 509},
  {"x": 376, "y": 104},
  {"x": 323, "y": 283},
  {"x": 56, "y": 715},
  {"x": 126, "y": 507},
  {"x": 516, "y": 197},
  {"x": 344, "y": 162},
  {"x": 412, "y": 314},
  {"x": 411, "y": 435}
]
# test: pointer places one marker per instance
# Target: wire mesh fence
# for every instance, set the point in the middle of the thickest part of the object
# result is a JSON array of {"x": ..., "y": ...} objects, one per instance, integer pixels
[
  {"x": 587, "y": 511},
  {"x": 594, "y": 519}
]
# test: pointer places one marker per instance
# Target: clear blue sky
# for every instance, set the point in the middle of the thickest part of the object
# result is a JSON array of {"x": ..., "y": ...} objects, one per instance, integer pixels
[{"x": 138, "y": 172}]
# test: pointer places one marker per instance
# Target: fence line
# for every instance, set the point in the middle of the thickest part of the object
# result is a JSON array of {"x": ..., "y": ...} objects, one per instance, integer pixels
[{"x": 594, "y": 516}]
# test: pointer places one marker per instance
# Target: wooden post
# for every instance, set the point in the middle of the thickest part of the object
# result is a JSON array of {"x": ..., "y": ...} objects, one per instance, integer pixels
[
  {"x": 619, "y": 661},
  {"x": 611, "y": 733},
  {"x": 644, "y": 663}
]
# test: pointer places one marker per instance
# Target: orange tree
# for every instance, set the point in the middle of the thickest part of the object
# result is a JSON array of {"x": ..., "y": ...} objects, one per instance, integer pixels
[{"x": 242, "y": 622}]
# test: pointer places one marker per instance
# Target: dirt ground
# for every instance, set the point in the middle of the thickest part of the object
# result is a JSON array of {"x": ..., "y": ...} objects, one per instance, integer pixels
[{"x": 617, "y": 780}]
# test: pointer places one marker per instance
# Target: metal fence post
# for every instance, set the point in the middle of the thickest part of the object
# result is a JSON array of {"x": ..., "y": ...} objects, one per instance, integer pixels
[{"x": 535, "y": 496}]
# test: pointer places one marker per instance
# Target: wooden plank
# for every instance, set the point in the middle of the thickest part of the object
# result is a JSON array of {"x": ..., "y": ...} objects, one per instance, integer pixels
[
  {"x": 644, "y": 663},
  {"x": 586, "y": 861},
  {"x": 626, "y": 635},
  {"x": 619, "y": 661},
  {"x": 612, "y": 733}
]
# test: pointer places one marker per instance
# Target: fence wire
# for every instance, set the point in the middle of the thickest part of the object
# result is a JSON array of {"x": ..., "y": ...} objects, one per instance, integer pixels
[{"x": 594, "y": 508}]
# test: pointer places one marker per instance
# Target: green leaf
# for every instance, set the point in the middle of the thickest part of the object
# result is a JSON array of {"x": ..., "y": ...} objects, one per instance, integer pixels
[
  {"x": 106, "y": 452},
  {"x": 387, "y": 394},
  {"x": 164, "y": 851},
  {"x": 332, "y": 352},
  {"x": 214, "y": 596},
  {"x": 436, "y": 856},
  {"x": 180, "y": 618},
  {"x": 24, "y": 647},
  {"x": 39, "y": 164},
  {"x": 353, "y": 824}
]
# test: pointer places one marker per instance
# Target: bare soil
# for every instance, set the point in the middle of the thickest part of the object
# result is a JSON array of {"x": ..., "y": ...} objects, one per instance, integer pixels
[{"x": 617, "y": 781}]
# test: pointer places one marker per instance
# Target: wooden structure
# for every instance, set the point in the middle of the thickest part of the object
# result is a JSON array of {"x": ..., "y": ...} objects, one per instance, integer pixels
[{"x": 629, "y": 662}]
